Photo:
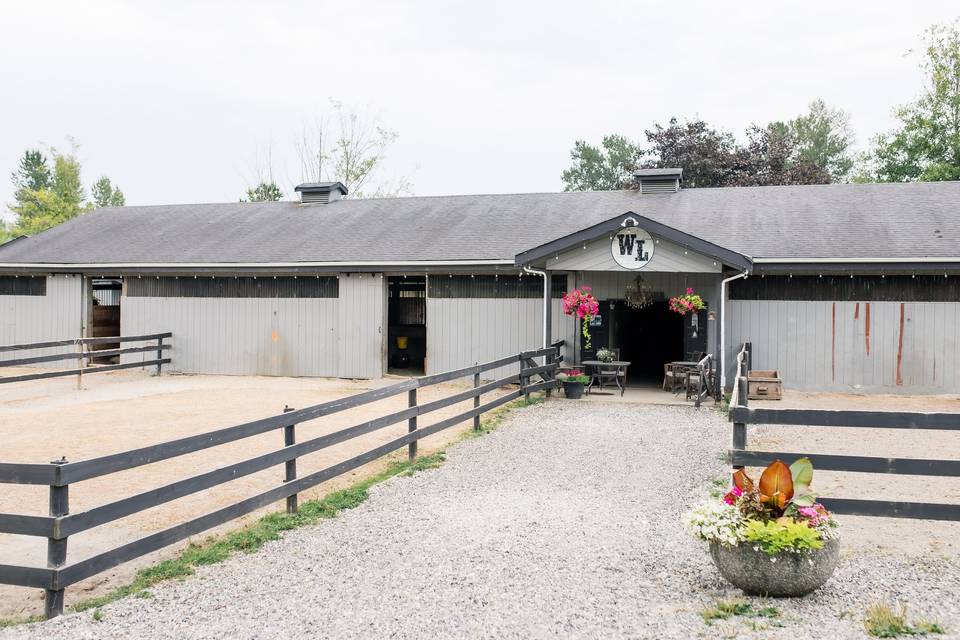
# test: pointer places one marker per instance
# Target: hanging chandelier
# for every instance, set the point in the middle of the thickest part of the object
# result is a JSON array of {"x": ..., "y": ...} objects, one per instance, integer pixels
[{"x": 639, "y": 294}]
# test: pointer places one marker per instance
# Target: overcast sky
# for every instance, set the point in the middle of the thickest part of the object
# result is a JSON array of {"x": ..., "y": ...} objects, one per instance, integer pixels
[{"x": 180, "y": 101}]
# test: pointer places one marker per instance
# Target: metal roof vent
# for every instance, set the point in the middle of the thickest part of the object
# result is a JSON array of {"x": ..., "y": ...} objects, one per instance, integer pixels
[
  {"x": 658, "y": 180},
  {"x": 320, "y": 192}
]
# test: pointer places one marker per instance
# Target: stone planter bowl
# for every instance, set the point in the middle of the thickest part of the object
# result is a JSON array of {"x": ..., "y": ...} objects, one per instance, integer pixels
[{"x": 786, "y": 575}]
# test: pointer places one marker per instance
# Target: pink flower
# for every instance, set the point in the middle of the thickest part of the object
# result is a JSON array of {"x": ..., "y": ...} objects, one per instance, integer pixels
[{"x": 689, "y": 291}]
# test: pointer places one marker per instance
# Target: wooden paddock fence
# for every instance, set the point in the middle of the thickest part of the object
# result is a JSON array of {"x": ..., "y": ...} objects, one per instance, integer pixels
[
  {"x": 59, "y": 475},
  {"x": 910, "y": 422},
  {"x": 84, "y": 355}
]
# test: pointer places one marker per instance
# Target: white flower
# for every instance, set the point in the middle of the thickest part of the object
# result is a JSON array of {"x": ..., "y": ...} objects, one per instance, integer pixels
[{"x": 716, "y": 522}]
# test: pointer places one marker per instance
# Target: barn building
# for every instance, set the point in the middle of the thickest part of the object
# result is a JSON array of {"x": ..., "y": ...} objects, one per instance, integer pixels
[{"x": 838, "y": 287}]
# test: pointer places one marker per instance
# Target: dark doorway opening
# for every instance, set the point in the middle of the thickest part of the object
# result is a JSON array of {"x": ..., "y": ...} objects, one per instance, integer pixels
[
  {"x": 406, "y": 325},
  {"x": 105, "y": 316},
  {"x": 647, "y": 338}
]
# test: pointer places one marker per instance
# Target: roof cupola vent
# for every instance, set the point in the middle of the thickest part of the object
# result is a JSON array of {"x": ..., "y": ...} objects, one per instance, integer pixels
[
  {"x": 658, "y": 180},
  {"x": 320, "y": 192}
]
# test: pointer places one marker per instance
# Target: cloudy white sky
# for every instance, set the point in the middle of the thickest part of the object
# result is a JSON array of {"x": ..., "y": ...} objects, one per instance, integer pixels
[{"x": 176, "y": 101}]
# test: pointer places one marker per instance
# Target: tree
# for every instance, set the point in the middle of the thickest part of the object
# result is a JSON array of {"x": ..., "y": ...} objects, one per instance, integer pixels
[
  {"x": 602, "y": 169},
  {"x": 106, "y": 195},
  {"x": 823, "y": 138},
  {"x": 45, "y": 198},
  {"x": 926, "y": 145},
  {"x": 706, "y": 155},
  {"x": 60, "y": 200},
  {"x": 33, "y": 172},
  {"x": 349, "y": 147},
  {"x": 780, "y": 153},
  {"x": 772, "y": 157},
  {"x": 265, "y": 192}
]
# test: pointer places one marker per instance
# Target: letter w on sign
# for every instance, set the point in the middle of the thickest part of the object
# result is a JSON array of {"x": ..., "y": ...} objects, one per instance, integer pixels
[{"x": 626, "y": 244}]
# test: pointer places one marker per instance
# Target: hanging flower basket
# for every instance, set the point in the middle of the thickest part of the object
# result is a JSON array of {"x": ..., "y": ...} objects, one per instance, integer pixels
[
  {"x": 689, "y": 302},
  {"x": 581, "y": 303}
]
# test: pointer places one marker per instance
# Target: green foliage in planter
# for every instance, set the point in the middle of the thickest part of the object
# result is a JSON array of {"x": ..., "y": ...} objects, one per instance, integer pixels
[
  {"x": 785, "y": 534},
  {"x": 606, "y": 355}
]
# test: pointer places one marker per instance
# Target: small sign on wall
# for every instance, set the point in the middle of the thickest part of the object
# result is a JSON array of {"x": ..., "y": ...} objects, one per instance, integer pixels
[{"x": 632, "y": 248}]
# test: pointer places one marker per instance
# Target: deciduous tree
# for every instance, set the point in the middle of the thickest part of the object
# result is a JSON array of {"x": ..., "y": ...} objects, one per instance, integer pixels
[
  {"x": 105, "y": 194},
  {"x": 926, "y": 145},
  {"x": 603, "y": 168},
  {"x": 265, "y": 192},
  {"x": 350, "y": 147},
  {"x": 824, "y": 139}
]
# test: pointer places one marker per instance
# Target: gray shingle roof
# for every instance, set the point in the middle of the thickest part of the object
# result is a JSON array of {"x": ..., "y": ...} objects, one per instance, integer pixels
[{"x": 829, "y": 221}]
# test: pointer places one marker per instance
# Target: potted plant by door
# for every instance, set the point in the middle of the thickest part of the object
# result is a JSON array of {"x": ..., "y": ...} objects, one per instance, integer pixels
[
  {"x": 573, "y": 382},
  {"x": 770, "y": 538}
]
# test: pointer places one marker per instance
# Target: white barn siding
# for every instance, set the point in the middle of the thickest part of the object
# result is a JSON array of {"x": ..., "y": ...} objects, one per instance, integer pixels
[
  {"x": 58, "y": 315},
  {"x": 667, "y": 257},
  {"x": 823, "y": 346}
]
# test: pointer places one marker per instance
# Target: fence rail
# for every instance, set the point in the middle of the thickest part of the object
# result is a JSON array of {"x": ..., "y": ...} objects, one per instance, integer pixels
[
  {"x": 742, "y": 415},
  {"x": 83, "y": 356},
  {"x": 59, "y": 475}
]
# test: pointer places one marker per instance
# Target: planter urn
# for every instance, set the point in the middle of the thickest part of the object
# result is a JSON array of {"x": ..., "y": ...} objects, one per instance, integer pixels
[{"x": 785, "y": 575}]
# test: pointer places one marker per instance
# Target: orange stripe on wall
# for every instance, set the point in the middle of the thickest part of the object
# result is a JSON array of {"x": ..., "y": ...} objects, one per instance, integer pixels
[
  {"x": 900, "y": 351},
  {"x": 866, "y": 322}
]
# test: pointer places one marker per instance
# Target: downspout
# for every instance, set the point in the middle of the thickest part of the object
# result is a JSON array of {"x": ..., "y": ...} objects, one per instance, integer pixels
[
  {"x": 546, "y": 300},
  {"x": 723, "y": 323}
]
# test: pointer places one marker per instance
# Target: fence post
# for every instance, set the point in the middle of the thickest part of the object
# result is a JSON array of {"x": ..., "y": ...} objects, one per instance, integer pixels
[
  {"x": 740, "y": 428},
  {"x": 412, "y": 425},
  {"x": 290, "y": 467},
  {"x": 524, "y": 380},
  {"x": 748, "y": 351},
  {"x": 476, "y": 398},
  {"x": 159, "y": 354},
  {"x": 56, "y": 547},
  {"x": 548, "y": 377},
  {"x": 81, "y": 359}
]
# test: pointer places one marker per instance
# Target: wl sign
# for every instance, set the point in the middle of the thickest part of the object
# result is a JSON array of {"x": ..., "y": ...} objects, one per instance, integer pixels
[{"x": 632, "y": 248}]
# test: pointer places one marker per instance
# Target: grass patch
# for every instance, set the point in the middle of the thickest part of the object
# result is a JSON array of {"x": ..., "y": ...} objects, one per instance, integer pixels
[
  {"x": 271, "y": 526},
  {"x": 883, "y": 622},
  {"x": 6, "y": 623},
  {"x": 726, "y": 609}
]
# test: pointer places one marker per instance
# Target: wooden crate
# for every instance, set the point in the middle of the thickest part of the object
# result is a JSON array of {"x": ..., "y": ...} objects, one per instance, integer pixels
[{"x": 764, "y": 385}]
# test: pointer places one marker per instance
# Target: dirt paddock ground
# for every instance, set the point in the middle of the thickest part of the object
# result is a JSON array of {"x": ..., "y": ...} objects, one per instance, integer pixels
[
  {"x": 918, "y": 538},
  {"x": 45, "y": 420}
]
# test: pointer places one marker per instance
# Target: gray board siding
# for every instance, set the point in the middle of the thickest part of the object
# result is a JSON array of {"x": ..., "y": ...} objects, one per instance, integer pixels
[
  {"x": 58, "y": 315},
  {"x": 337, "y": 337},
  {"x": 851, "y": 346}
]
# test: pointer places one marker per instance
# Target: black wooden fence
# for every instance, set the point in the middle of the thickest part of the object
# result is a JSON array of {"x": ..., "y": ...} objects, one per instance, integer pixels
[
  {"x": 59, "y": 475},
  {"x": 83, "y": 356},
  {"x": 741, "y": 415}
]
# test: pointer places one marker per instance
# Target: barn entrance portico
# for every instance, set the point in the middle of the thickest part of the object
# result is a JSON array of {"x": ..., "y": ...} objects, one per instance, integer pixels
[{"x": 633, "y": 266}]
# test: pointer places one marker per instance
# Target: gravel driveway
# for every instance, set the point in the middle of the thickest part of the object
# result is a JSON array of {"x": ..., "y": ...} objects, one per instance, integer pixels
[{"x": 566, "y": 521}]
